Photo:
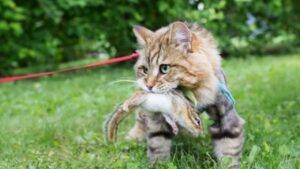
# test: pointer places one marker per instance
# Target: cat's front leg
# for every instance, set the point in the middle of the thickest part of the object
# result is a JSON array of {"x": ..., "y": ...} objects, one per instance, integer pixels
[
  {"x": 159, "y": 139},
  {"x": 159, "y": 147},
  {"x": 138, "y": 132}
]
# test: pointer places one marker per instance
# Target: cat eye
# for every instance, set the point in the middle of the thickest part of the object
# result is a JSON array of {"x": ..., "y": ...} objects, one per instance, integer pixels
[
  {"x": 145, "y": 70},
  {"x": 164, "y": 68}
]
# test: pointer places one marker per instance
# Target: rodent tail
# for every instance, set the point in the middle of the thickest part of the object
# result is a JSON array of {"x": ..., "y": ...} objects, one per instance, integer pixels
[{"x": 112, "y": 122}]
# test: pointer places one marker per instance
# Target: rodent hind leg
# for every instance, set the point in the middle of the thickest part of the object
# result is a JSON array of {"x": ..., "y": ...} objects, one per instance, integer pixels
[{"x": 172, "y": 123}]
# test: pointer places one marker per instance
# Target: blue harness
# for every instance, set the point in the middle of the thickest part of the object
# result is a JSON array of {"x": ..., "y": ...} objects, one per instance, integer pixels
[{"x": 225, "y": 92}]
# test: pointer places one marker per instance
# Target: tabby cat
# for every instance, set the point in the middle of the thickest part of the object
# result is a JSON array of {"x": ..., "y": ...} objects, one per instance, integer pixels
[
  {"x": 185, "y": 54},
  {"x": 160, "y": 113}
]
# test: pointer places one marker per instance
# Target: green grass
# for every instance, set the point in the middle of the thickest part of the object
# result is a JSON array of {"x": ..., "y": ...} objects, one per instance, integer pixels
[{"x": 56, "y": 122}]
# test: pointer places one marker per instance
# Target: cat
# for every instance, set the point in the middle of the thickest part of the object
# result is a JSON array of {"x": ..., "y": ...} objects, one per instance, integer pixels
[
  {"x": 160, "y": 113},
  {"x": 185, "y": 54}
]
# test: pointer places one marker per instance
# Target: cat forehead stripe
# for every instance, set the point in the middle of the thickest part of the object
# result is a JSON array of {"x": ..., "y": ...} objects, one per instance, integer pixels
[
  {"x": 154, "y": 53},
  {"x": 155, "y": 56},
  {"x": 159, "y": 53}
]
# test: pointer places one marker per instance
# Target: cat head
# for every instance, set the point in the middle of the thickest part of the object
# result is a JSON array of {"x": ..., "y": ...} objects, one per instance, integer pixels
[{"x": 171, "y": 56}]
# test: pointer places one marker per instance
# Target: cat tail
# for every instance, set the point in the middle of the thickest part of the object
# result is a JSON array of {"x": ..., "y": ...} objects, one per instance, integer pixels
[{"x": 112, "y": 122}]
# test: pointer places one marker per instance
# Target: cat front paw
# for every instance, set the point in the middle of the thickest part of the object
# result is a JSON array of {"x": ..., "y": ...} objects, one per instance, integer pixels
[{"x": 136, "y": 134}]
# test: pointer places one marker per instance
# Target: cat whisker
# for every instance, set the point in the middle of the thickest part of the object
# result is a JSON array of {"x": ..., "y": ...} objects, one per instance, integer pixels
[
  {"x": 132, "y": 86},
  {"x": 122, "y": 80}
]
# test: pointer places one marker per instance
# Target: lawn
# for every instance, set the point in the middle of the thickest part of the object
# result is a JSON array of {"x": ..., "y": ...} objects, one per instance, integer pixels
[{"x": 56, "y": 122}]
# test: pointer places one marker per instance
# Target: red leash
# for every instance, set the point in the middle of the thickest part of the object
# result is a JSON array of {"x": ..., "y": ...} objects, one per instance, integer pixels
[{"x": 106, "y": 62}]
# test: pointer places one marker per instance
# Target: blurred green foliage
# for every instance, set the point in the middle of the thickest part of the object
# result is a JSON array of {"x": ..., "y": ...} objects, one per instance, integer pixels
[{"x": 45, "y": 32}]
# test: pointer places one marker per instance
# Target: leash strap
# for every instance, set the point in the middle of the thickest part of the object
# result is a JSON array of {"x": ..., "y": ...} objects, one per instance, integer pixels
[{"x": 35, "y": 75}]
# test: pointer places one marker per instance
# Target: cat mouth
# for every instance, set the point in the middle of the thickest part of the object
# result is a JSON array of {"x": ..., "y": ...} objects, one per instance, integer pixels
[
  {"x": 156, "y": 91},
  {"x": 161, "y": 91}
]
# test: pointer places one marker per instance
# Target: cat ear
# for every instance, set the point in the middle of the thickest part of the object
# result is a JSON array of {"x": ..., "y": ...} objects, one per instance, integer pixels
[
  {"x": 181, "y": 36},
  {"x": 142, "y": 34}
]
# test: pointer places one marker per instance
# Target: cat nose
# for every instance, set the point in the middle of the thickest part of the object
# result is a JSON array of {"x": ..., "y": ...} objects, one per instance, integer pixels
[{"x": 150, "y": 87}]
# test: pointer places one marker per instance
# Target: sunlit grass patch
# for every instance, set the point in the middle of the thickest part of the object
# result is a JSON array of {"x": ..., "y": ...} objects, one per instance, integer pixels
[{"x": 56, "y": 122}]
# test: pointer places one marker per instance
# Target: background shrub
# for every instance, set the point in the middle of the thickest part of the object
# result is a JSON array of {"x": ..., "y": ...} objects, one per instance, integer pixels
[{"x": 45, "y": 32}]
